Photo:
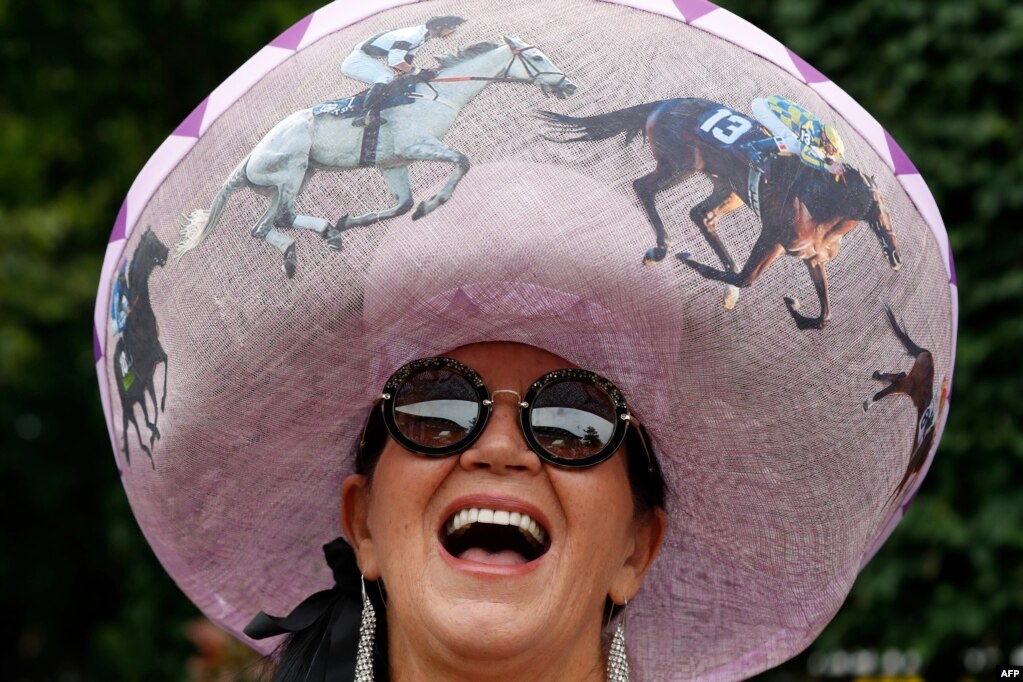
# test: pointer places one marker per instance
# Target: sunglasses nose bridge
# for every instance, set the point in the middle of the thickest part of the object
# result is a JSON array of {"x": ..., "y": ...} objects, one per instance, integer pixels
[
  {"x": 502, "y": 447},
  {"x": 518, "y": 398}
]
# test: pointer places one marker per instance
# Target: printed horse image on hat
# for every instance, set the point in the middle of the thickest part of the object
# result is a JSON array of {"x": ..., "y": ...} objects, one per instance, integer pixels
[
  {"x": 918, "y": 384},
  {"x": 138, "y": 350},
  {"x": 281, "y": 164},
  {"x": 804, "y": 212}
]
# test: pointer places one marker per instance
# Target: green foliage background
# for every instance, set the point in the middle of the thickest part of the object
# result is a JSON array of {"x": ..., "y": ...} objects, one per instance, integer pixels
[{"x": 91, "y": 88}]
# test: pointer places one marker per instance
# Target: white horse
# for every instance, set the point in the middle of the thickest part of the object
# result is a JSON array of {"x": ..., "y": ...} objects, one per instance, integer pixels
[{"x": 283, "y": 161}]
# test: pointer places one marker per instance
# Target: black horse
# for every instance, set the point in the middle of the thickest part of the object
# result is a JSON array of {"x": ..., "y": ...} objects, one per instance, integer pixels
[
  {"x": 804, "y": 212},
  {"x": 138, "y": 350}
]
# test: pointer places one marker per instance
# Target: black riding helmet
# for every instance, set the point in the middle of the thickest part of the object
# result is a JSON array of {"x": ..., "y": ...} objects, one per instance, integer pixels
[{"x": 449, "y": 21}]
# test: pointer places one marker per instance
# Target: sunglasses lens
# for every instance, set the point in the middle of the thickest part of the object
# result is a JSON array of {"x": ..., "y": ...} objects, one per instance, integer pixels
[
  {"x": 436, "y": 408},
  {"x": 573, "y": 419}
]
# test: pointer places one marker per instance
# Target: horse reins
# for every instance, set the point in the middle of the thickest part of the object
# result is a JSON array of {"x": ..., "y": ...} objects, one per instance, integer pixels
[{"x": 505, "y": 78}]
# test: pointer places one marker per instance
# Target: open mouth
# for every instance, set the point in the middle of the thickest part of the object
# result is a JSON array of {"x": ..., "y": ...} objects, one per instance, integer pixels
[{"x": 494, "y": 536}]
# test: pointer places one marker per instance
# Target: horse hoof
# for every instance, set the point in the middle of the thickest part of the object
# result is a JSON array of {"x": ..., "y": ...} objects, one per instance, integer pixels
[
  {"x": 654, "y": 254},
  {"x": 866, "y": 405},
  {"x": 335, "y": 242},
  {"x": 420, "y": 211},
  {"x": 731, "y": 296},
  {"x": 290, "y": 262},
  {"x": 792, "y": 303}
]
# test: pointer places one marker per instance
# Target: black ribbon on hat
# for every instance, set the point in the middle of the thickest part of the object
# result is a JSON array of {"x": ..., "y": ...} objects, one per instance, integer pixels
[{"x": 334, "y": 657}]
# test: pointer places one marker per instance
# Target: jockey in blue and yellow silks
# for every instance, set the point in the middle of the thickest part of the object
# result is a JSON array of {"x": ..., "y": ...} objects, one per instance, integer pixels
[
  {"x": 795, "y": 131},
  {"x": 119, "y": 301}
]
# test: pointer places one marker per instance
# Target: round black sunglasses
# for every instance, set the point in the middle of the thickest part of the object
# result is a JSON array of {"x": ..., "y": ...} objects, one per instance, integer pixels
[{"x": 570, "y": 417}]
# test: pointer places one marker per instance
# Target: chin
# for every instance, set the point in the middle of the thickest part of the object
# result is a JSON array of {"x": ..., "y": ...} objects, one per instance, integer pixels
[{"x": 488, "y": 630}]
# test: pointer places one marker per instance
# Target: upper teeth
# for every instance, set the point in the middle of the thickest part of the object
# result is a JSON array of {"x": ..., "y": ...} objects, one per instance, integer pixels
[{"x": 498, "y": 517}]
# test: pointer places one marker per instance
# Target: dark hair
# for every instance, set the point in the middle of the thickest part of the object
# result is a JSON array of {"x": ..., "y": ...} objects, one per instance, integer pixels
[
  {"x": 447, "y": 21},
  {"x": 295, "y": 653}
]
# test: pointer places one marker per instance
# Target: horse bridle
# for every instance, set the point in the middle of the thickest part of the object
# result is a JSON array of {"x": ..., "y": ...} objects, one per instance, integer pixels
[
  {"x": 517, "y": 54},
  {"x": 885, "y": 234}
]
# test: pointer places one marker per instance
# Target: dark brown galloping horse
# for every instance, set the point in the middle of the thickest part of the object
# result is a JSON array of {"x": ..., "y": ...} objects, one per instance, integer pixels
[
  {"x": 804, "y": 212},
  {"x": 918, "y": 384}
]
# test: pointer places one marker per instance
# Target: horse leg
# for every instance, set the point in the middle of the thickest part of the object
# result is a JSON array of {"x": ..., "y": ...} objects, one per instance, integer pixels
[
  {"x": 263, "y": 229},
  {"x": 286, "y": 216},
  {"x": 820, "y": 283},
  {"x": 124, "y": 430},
  {"x": 765, "y": 250},
  {"x": 154, "y": 432},
  {"x": 432, "y": 149},
  {"x": 278, "y": 165},
  {"x": 138, "y": 433},
  {"x": 892, "y": 377},
  {"x": 887, "y": 390},
  {"x": 162, "y": 354},
  {"x": 397, "y": 179},
  {"x": 647, "y": 188},
  {"x": 706, "y": 215}
]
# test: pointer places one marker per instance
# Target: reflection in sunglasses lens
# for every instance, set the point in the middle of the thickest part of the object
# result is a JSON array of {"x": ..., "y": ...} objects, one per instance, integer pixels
[
  {"x": 573, "y": 419},
  {"x": 436, "y": 407}
]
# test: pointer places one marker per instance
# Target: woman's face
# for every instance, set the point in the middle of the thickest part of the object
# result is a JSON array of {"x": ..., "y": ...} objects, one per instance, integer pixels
[{"x": 486, "y": 602}]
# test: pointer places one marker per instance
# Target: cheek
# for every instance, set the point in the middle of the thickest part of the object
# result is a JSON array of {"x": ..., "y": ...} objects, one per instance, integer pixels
[
  {"x": 402, "y": 491},
  {"x": 598, "y": 504}
]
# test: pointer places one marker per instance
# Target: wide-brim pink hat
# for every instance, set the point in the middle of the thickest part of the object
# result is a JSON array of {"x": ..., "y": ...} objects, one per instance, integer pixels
[{"x": 237, "y": 372}]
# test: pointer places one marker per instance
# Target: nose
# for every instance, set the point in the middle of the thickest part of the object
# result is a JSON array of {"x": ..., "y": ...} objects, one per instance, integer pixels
[{"x": 501, "y": 448}]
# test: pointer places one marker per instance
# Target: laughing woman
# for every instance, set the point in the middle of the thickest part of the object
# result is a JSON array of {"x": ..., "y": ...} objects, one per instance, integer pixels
[
  {"x": 510, "y": 504},
  {"x": 525, "y": 455},
  {"x": 503, "y": 550}
]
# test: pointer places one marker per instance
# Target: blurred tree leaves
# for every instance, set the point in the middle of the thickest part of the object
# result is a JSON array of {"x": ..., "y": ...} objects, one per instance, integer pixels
[{"x": 91, "y": 88}]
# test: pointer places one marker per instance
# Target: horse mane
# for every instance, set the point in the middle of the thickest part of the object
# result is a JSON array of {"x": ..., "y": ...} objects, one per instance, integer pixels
[
  {"x": 146, "y": 244},
  {"x": 448, "y": 60},
  {"x": 826, "y": 198},
  {"x": 141, "y": 263}
]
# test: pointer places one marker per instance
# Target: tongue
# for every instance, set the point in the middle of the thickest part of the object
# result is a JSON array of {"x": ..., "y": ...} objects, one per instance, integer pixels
[{"x": 502, "y": 557}]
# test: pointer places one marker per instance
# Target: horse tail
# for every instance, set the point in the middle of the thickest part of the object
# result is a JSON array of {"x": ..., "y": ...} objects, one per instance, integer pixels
[
  {"x": 631, "y": 121},
  {"x": 198, "y": 224},
  {"x": 911, "y": 347}
]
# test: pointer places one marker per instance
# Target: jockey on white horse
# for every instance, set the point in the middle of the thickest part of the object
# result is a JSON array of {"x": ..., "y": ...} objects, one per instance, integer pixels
[
  {"x": 397, "y": 49},
  {"x": 304, "y": 143}
]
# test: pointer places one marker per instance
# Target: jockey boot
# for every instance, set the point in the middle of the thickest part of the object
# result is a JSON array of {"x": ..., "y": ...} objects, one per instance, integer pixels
[
  {"x": 370, "y": 106},
  {"x": 759, "y": 152}
]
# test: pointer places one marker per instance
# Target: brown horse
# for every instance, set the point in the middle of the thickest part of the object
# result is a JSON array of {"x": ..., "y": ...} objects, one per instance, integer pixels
[
  {"x": 804, "y": 212},
  {"x": 918, "y": 384}
]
